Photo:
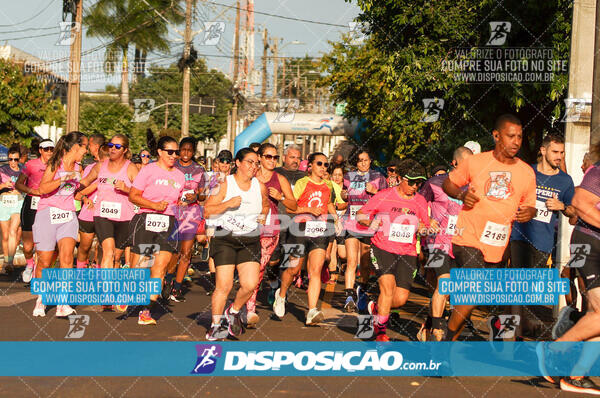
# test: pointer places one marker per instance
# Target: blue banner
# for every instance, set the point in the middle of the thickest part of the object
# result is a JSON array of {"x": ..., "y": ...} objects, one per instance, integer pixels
[{"x": 305, "y": 358}]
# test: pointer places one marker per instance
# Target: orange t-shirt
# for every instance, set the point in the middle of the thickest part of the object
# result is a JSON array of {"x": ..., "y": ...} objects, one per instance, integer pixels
[{"x": 502, "y": 189}]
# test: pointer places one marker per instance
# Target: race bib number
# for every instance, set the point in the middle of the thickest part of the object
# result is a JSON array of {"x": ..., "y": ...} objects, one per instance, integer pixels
[
  {"x": 451, "y": 227},
  {"x": 34, "y": 202},
  {"x": 495, "y": 234},
  {"x": 157, "y": 222},
  {"x": 314, "y": 229},
  {"x": 110, "y": 209},
  {"x": 543, "y": 213},
  {"x": 10, "y": 200},
  {"x": 183, "y": 195},
  {"x": 59, "y": 216},
  {"x": 238, "y": 225},
  {"x": 353, "y": 210},
  {"x": 402, "y": 233}
]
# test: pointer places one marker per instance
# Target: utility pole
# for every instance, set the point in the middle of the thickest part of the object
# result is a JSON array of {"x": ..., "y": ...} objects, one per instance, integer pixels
[
  {"x": 185, "y": 108},
  {"x": 263, "y": 92},
  {"x": 298, "y": 80},
  {"x": 275, "y": 67},
  {"x": 75, "y": 72},
  {"x": 283, "y": 85},
  {"x": 595, "y": 122},
  {"x": 236, "y": 62}
]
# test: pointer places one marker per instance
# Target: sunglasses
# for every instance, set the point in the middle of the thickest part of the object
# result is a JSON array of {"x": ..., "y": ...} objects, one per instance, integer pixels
[
  {"x": 49, "y": 149},
  {"x": 319, "y": 163},
  {"x": 224, "y": 160},
  {"x": 144, "y": 156},
  {"x": 271, "y": 157},
  {"x": 118, "y": 146},
  {"x": 13, "y": 159},
  {"x": 412, "y": 183},
  {"x": 391, "y": 169},
  {"x": 171, "y": 152},
  {"x": 252, "y": 162}
]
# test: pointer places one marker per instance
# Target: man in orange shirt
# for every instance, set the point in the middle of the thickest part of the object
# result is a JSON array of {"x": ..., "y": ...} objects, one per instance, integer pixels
[{"x": 501, "y": 190}]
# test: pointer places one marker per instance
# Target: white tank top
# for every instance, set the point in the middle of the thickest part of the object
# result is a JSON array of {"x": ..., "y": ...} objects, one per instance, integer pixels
[{"x": 243, "y": 219}]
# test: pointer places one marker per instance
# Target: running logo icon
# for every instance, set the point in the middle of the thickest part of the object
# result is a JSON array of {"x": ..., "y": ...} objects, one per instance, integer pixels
[
  {"x": 212, "y": 33},
  {"x": 207, "y": 358},
  {"x": 142, "y": 107},
  {"x": 67, "y": 31},
  {"x": 499, "y": 33},
  {"x": 579, "y": 253},
  {"x": 287, "y": 110},
  {"x": 432, "y": 108},
  {"x": 365, "y": 329},
  {"x": 77, "y": 324},
  {"x": 503, "y": 326}
]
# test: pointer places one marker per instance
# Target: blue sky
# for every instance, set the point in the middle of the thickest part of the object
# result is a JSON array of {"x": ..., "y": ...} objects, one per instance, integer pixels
[{"x": 20, "y": 20}]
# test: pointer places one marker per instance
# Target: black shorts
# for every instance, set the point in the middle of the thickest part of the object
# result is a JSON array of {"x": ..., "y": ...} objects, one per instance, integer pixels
[
  {"x": 27, "y": 215},
  {"x": 305, "y": 244},
  {"x": 118, "y": 230},
  {"x": 404, "y": 268},
  {"x": 585, "y": 258},
  {"x": 439, "y": 261},
  {"x": 227, "y": 249},
  {"x": 87, "y": 227},
  {"x": 362, "y": 238},
  {"x": 146, "y": 239},
  {"x": 525, "y": 255},
  {"x": 470, "y": 257}
]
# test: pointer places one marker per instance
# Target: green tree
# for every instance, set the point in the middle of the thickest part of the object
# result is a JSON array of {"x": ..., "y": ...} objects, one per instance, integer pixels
[
  {"x": 386, "y": 79},
  {"x": 131, "y": 22},
  {"x": 24, "y": 104},
  {"x": 164, "y": 84}
]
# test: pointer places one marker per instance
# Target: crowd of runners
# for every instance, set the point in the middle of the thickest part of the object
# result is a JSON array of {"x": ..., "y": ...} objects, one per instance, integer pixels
[{"x": 305, "y": 224}]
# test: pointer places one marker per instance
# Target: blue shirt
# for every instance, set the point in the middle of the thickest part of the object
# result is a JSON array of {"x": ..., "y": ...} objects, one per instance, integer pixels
[{"x": 540, "y": 230}]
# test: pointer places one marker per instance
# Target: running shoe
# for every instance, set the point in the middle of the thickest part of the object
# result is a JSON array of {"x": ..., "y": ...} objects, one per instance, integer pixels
[
  {"x": 106, "y": 308},
  {"x": 145, "y": 318},
  {"x": 64, "y": 310},
  {"x": 271, "y": 297},
  {"x": 191, "y": 272},
  {"x": 204, "y": 255},
  {"x": 279, "y": 305},
  {"x": 177, "y": 296},
  {"x": 380, "y": 332},
  {"x": 362, "y": 299},
  {"x": 217, "y": 332},
  {"x": 372, "y": 307},
  {"x": 542, "y": 357},
  {"x": 349, "y": 306},
  {"x": 166, "y": 290},
  {"x": 126, "y": 266},
  {"x": 27, "y": 274},
  {"x": 187, "y": 280},
  {"x": 436, "y": 335},
  {"x": 40, "y": 309},
  {"x": 120, "y": 308},
  {"x": 423, "y": 333},
  {"x": 252, "y": 320},
  {"x": 579, "y": 384},
  {"x": 236, "y": 327},
  {"x": 314, "y": 317},
  {"x": 563, "y": 323}
]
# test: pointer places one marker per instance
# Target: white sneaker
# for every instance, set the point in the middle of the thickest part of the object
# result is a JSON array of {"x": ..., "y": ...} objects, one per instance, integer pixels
[
  {"x": 64, "y": 310},
  {"x": 27, "y": 274},
  {"x": 314, "y": 317},
  {"x": 40, "y": 309},
  {"x": 279, "y": 305}
]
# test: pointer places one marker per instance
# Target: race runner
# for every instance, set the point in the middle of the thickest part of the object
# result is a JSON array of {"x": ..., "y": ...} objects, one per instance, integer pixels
[
  {"x": 238, "y": 207},
  {"x": 29, "y": 183},
  {"x": 56, "y": 224},
  {"x": 310, "y": 232},
  {"x": 359, "y": 187},
  {"x": 501, "y": 190},
  {"x": 397, "y": 215},
  {"x": 279, "y": 190},
  {"x": 156, "y": 190},
  {"x": 12, "y": 202}
]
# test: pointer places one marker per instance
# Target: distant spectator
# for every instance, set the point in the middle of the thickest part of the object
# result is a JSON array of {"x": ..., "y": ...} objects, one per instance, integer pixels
[
  {"x": 254, "y": 146},
  {"x": 438, "y": 170}
]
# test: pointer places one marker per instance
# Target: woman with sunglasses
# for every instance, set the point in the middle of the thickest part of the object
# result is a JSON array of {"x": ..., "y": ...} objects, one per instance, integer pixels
[
  {"x": 359, "y": 187},
  {"x": 310, "y": 231},
  {"x": 157, "y": 190},
  {"x": 29, "y": 183},
  {"x": 279, "y": 190},
  {"x": 398, "y": 215},
  {"x": 144, "y": 158},
  {"x": 239, "y": 206},
  {"x": 189, "y": 217},
  {"x": 393, "y": 178},
  {"x": 10, "y": 211},
  {"x": 56, "y": 222}
]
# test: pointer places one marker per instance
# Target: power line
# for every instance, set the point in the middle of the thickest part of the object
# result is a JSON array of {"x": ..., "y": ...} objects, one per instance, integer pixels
[
  {"x": 29, "y": 37},
  {"x": 29, "y": 19},
  {"x": 28, "y": 29}
]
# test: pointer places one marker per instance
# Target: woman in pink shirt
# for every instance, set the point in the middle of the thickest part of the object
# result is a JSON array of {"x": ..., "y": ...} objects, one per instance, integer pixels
[
  {"x": 397, "y": 215},
  {"x": 29, "y": 183},
  {"x": 56, "y": 222},
  {"x": 157, "y": 191},
  {"x": 10, "y": 209}
]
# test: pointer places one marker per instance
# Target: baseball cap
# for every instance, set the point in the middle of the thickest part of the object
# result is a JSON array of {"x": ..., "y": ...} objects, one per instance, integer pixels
[
  {"x": 473, "y": 146},
  {"x": 47, "y": 144}
]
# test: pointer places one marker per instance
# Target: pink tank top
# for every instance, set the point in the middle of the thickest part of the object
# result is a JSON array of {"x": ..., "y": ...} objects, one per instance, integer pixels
[
  {"x": 63, "y": 197},
  {"x": 112, "y": 203},
  {"x": 271, "y": 227},
  {"x": 88, "y": 214}
]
